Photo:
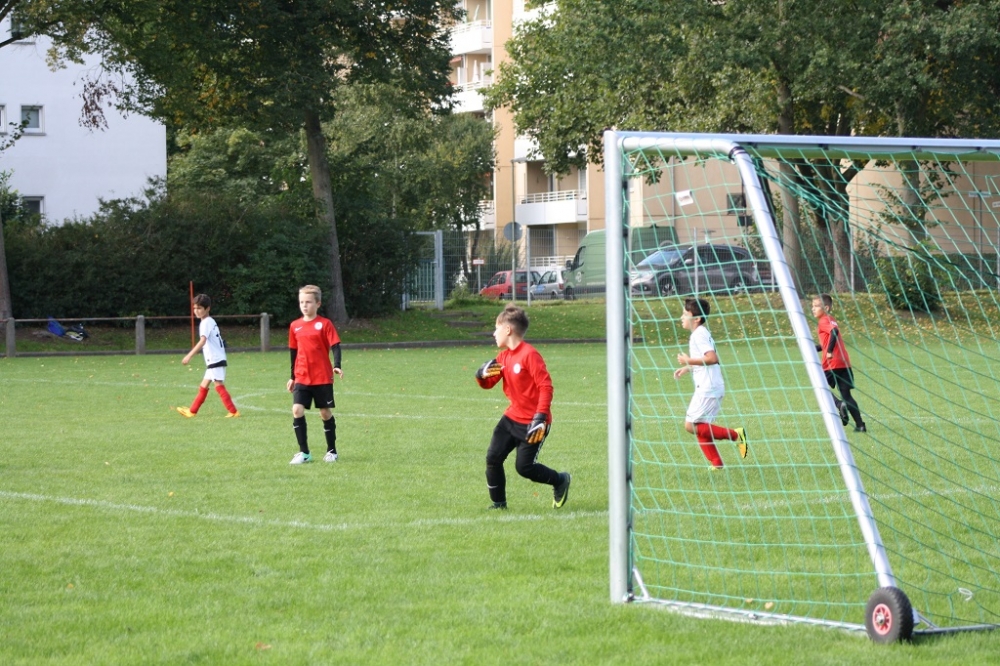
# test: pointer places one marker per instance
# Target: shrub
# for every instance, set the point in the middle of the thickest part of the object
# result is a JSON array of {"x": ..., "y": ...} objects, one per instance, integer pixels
[
  {"x": 137, "y": 257},
  {"x": 912, "y": 281}
]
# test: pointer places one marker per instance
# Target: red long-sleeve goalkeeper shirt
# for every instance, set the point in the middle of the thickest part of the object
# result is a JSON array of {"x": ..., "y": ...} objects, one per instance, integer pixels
[{"x": 526, "y": 383}]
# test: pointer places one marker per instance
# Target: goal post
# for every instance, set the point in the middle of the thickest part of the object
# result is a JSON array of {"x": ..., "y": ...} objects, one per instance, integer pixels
[{"x": 904, "y": 237}]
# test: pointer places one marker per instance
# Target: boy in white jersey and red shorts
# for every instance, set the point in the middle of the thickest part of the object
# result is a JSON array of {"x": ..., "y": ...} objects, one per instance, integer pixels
[
  {"x": 214, "y": 349},
  {"x": 311, "y": 340},
  {"x": 703, "y": 363},
  {"x": 526, "y": 422}
]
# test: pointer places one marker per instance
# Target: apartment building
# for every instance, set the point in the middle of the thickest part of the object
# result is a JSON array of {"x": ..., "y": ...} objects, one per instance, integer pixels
[
  {"x": 62, "y": 169},
  {"x": 556, "y": 211}
]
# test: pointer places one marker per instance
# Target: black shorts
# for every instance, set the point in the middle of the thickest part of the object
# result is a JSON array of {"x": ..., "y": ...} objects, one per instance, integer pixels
[{"x": 306, "y": 394}]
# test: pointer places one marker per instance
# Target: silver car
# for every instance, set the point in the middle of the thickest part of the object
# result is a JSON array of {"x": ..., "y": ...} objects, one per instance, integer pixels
[
  {"x": 550, "y": 285},
  {"x": 695, "y": 269}
]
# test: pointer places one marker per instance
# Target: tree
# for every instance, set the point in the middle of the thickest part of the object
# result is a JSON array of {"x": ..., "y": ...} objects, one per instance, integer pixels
[
  {"x": 270, "y": 66},
  {"x": 867, "y": 67},
  {"x": 12, "y": 212},
  {"x": 13, "y": 133},
  {"x": 394, "y": 172},
  {"x": 435, "y": 168}
]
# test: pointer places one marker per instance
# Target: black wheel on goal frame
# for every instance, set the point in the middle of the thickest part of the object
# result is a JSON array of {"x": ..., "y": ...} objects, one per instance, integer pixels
[{"x": 889, "y": 616}]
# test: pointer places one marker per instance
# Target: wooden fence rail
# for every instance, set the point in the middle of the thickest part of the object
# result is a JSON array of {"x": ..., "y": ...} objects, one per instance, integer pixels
[{"x": 9, "y": 327}]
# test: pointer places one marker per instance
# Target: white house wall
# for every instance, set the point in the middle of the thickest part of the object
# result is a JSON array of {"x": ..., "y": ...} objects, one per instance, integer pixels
[{"x": 72, "y": 167}]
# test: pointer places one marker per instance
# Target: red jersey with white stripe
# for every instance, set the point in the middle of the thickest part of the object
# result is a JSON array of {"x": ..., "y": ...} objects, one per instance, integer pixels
[
  {"x": 828, "y": 329},
  {"x": 313, "y": 340},
  {"x": 526, "y": 383}
]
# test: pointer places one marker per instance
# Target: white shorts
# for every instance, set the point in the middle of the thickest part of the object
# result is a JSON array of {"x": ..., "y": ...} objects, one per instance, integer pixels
[
  {"x": 215, "y": 374},
  {"x": 703, "y": 408}
]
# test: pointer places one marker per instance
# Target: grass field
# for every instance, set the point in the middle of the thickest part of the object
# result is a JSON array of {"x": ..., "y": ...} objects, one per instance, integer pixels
[{"x": 132, "y": 535}]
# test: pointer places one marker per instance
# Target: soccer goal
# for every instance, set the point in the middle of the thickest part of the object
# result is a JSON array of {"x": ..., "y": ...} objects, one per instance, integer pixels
[{"x": 895, "y": 530}]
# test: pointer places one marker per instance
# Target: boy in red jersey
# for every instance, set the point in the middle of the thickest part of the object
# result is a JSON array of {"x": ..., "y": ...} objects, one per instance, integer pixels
[
  {"x": 836, "y": 362},
  {"x": 311, "y": 339},
  {"x": 526, "y": 422}
]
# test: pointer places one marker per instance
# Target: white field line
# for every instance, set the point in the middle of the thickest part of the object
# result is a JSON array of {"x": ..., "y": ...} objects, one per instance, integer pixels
[
  {"x": 413, "y": 524},
  {"x": 486, "y": 398},
  {"x": 297, "y": 524},
  {"x": 843, "y": 497}
]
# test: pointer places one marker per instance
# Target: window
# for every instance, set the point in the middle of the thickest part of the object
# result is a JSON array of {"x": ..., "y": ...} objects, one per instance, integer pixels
[
  {"x": 737, "y": 203},
  {"x": 33, "y": 205},
  {"x": 3, "y": 119},
  {"x": 723, "y": 255},
  {"x": 31, "y": 116},
  {"x": 16, "y": 27}
]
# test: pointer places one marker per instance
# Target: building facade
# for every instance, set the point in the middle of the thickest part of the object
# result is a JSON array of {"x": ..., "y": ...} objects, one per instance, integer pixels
[
  {"x": 556, "y": 211},
  {"x": 60, "y": 168}
]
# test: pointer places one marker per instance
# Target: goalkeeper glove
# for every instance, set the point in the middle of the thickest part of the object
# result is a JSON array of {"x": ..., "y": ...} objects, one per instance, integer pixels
[
  {"x": 489, "y": 369},
  {"x": 538, "y": 430}
]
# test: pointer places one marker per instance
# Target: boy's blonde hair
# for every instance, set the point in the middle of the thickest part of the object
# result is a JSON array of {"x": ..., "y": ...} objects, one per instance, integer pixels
[
  {"x": 314, "y": 290},
  {"x": 514, "y": 317}
]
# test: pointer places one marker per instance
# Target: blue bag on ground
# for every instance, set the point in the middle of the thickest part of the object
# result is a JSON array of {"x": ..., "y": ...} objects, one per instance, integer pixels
[{"x": 55, "y": 328}]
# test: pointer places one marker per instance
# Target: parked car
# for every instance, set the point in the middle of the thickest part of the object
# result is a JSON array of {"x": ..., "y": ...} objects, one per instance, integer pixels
[
  {"x": 499, "y": 284},
  {"x": 550, "y": 285},
  {"x": 695, "y": 268}
]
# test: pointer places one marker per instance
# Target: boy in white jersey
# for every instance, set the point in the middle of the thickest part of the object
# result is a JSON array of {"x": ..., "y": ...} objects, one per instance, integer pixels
[
  {"x": 703, "y": 364},
  {"x": 211, "y": 345}
]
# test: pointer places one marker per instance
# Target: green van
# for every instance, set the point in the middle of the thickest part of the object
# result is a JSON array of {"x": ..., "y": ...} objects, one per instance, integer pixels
[{"x": 585, "y": 274}]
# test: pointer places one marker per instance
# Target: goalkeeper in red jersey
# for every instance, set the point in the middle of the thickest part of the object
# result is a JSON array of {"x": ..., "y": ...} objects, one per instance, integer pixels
[
  {"x": 526, "y": 422},
  {"x": 836, "y": 362}
]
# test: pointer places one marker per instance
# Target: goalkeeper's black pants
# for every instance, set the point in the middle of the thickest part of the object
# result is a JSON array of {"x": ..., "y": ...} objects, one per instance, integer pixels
[
  {"x": 508, "y": 436},
  {"x": 843, "y": 380}
]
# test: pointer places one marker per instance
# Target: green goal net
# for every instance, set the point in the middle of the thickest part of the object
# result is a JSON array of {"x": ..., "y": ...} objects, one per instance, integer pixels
[{"x": 885, "y": 517}]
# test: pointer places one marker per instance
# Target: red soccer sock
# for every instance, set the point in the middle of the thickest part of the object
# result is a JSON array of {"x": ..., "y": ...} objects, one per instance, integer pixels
[
  {"x": 711, "y": 453},
  {"x": 226, "y": 398},
  {"x": 708, "y": 434},
  {"x": 199, "y": 399}
]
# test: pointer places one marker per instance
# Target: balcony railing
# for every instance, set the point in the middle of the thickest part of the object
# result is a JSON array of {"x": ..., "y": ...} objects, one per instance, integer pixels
[
  {"x": 546, "y": 197},
  {"x": 461, "y": 28},
  {"x": 472, "y": 85}
]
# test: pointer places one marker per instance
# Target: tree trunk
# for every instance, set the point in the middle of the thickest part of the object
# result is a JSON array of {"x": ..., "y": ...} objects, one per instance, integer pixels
[
  {"x": 843, "y": 255},
  {"x": 841, "y": 236},
  {"x": 790, "y": 223},
  {"x": 913, "y": 205},
  {"x": 6, "y": 308},
  {"x": 319, "y": 170},
  {"x": 789, "y": 200}
]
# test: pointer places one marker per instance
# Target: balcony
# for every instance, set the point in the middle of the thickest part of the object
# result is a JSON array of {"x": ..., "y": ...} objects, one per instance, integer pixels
[
  {"x": 467, "y": 97},
  {"x": 562, "y": 207},
  {"x": 487, "y": 215},
  {"x": 526, "y": 150},
  {"x": 472, "y": 37}
]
